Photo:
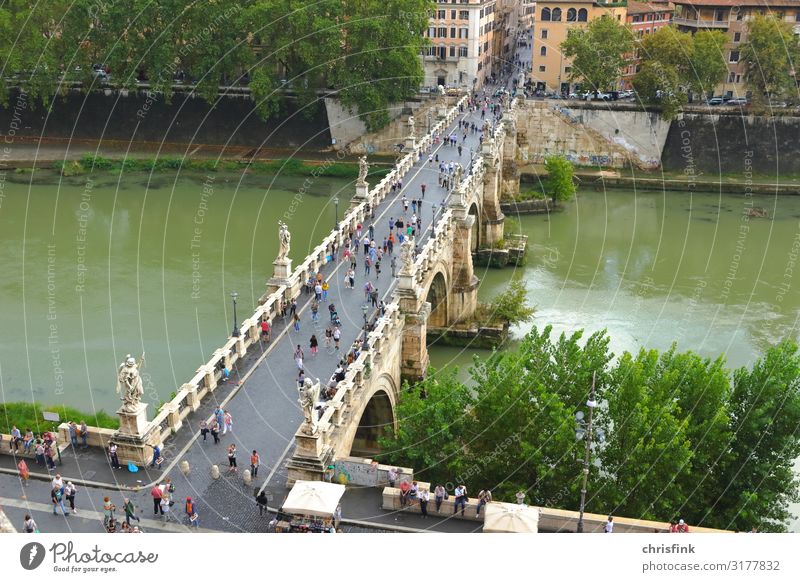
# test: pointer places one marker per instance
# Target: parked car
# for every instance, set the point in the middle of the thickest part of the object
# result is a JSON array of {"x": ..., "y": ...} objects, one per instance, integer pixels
[
  {"x": 741, "y": 101},
  {"x": 715, "y": 101}
]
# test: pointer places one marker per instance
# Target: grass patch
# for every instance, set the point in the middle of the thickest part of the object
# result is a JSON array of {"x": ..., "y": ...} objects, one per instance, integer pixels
[
  {"x": 288, "y": 167},
  {"x": 26, "y": 415}
]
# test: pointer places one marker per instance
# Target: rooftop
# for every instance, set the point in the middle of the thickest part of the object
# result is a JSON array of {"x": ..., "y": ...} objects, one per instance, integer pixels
[
  {"x": 647, "y": 7},
  {"x": 733, "y": 3}
]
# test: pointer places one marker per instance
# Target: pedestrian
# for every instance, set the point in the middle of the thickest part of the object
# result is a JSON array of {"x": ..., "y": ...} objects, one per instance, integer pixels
[
  {"x": 130, "y": 510},
  {"x": 112, "y": 455},
  {"x": 191, "y": 512},
  {"x": 298, "y": 357},
  {"x": 39, "y": 450},
  {"x": 27, "y": 441},
  {"x": 84, "y": 434},
  {"x": 228, "y": 418},
  {"x": 328, "y": 336},
  {"x": 520, "y": 495},
  {"x": 214, "y": 429},
  {"x": 108, "y": 511},
  {"x": 393, "y": 264},
  {"x": 378, "y": 269},
  {"x": 29, "y": 525},
  {"x": 219, "y": 415},
  {"x": 424, "y": 497},
  {"x": 69, "y": 492},
  {"x": 293, "y": 308},
  {"x": 265, "y": 330},
  {"x": 301, "y": 378},
  {"x": 165, "y": 509},
  {"x": 24, "y": 473},
  {"x": 405, "y": 489},
  {"x": 337, "y": 516},
  {"x": 156, "y": 456},
  {"x": 204, "y": 429},
  {"x": 609, "y": 526},
  {"x": 313, "y": 344},
  {"x": 439, "y": 494},
  {"x": 56, "y": 498},
  {"x": 232, "y": 458},
  {"x": 337, "y": 335},
  {"x": 682, "y": 527},
  {"x": 314, "y": 310},
  {"x": 49, "y": 455},
  {"x": 461, "y": 499},
  {"x": 296, "y": 319},
  {"x": 325, "y": 288},
  {"x": 374, "y": 297},
  {"x": 73, "y": 434},
  {"x": 367, "y": 263},
  {"x": 255, "y": 461},
  {"x": 157, "y": 494},
  {"x": 484, "y": 497},
  {"x": 352, "y": 276}
]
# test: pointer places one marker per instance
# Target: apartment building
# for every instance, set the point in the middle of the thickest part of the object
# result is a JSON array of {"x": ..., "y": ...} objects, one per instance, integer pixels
[
  {"x": 731, "y": 17},
  {"x": 527, "y": 13},
  {"x": 463, "y": 50},
  {"x": 553, "y": 19},
  {"x": 645, "y": 18}
]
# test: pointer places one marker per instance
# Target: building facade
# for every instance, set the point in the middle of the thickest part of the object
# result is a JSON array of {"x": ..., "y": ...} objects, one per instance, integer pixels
[
  {"x": 550, "y": 70},
  {"x": 645, "y": 18},
  {"x": 731, "y": 17},
  {"x": 462, "y": 51}
]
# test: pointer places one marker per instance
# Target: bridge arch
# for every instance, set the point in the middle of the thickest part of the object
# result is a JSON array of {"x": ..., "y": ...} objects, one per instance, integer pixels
[
  {"x": 437, "y": 296},
  {"x": 475, "y": 241},
  {"x": 376, "y": 417}
]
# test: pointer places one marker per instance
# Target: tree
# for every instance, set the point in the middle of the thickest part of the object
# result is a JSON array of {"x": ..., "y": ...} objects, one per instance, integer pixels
[
  {"x": 598, "y": 53},
  {"x": 756, "y": 481},
  {"x": 769, "y": 56},
  {"x": 664, "y": 69},
  {"x": 512, "y": 304},
  {"x": 431, "y": 418},
  {"x": 707, "y": 63},
  {"x": 559, "y": 185}
]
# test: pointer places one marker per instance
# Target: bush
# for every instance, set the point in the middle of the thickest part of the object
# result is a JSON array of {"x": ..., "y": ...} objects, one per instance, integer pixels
[
  {"x": 512, "y": 304},
  {"x": 26, "y": 415}
]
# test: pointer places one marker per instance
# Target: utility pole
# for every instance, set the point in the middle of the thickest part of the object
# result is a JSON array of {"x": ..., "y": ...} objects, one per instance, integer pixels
[{"x": 592, "y": 403}]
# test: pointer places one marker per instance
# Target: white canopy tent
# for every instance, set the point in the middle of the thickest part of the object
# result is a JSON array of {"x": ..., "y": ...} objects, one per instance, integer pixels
[
  {"x": 316, "y": 498},
  {"x": 510, "y": 518}
]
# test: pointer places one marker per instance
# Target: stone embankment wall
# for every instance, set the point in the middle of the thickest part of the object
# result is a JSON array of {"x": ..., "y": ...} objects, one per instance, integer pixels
[{"x": 146, "y": 117}]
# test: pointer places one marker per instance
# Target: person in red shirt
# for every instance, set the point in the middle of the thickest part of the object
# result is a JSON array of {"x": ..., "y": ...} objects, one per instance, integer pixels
[
  {"x": 156, "y": 493},
  {"x": 405, "y": 488},
  {"x": 682, "y": 527},
  {"x": 265, "y": 331}
]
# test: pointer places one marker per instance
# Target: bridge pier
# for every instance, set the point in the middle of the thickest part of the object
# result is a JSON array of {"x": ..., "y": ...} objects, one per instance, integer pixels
[
  {"x": 414, "y": 357},
  {"x": 463, "y": 293}
]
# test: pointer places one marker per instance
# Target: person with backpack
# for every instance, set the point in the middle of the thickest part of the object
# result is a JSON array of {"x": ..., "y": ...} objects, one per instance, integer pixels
[{"x": 29, "y": 525}]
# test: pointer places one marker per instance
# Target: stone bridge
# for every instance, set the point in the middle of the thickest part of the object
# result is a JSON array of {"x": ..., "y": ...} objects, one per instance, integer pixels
[{"x": 437, "y": 287}]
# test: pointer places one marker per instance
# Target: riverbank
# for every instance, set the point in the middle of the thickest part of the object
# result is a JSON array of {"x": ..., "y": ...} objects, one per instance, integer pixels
[{"x": 635, "y": 179}]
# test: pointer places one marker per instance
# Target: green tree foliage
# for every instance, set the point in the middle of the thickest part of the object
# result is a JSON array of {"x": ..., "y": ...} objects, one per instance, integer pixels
[
  {"x": 770, "y": 54},
  {"x": 684, "y": 438},
  {"x": 598, "y": 53},
  {"x": 707, "y": 62},
  {"x": 512, "y": 304},
  {"x": 559, "y": 184},
  {"x": 665, "y": 69},
  {"x": 367, "y": 51}
]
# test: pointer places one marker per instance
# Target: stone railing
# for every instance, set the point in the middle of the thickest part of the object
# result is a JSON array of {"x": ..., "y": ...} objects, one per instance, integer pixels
[{"x": 353, "y": 389}]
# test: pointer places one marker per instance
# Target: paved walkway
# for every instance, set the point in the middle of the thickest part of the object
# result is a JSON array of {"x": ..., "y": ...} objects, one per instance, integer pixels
[{"x": 265, "y": 409}]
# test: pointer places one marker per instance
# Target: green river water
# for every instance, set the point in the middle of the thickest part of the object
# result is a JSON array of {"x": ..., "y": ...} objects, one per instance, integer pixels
[{"x": 93, "y": 269}]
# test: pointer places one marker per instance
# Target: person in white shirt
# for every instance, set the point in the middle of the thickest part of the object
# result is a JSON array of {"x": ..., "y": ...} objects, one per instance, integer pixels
[
  {"x": 424, "y": 497},
  {"x": 609, "y": 527},
  {"x": 392, "y": 477}
]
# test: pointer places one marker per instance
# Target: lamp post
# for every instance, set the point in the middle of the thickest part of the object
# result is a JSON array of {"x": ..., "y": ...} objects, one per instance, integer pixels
[
  {"x": 585, "y": 429},
  {"x": 336, "y": 217},
  {"x": 235, "y": 332},
  {"x": 364, "y": 310}
]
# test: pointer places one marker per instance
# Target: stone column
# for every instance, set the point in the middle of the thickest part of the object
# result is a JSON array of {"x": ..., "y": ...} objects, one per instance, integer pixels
[
  {"x": 492, "y": 218},
  {"x": 463, "y": 297},
  {"x": 414, "y": 357}
]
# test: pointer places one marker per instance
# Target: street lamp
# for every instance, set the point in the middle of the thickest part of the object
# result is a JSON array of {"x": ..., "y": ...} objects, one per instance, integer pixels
[
  {"x": 364, "y": 310},
  {"x": 336, "y": 217},
  {"x": 235, "y": 332},
  {"x": 582, "y": 429}
]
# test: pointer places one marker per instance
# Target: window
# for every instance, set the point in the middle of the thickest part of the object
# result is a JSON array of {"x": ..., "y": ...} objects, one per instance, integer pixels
[
  {"x": 556, "y": 15},
  {"x": 453, "y": 14},
  {"x": 572, "y": 15},
  {"x": 480, "y": 66},
  {"x": 452, "y": 51},
  {"x": 432, "y": 32},
  {"x": 637, "y": 18},
  {"x": 542, "y": 68},
  {"x": 582, "y": 15},
  {"x": 463, "y": 33},
  {"x": 734, "y": 58},
  {"x": 452, "y": 32},
  {"x": 797, "y": 16},
  {"x": 442, "y": 52},
  {"x": 463, "y": 14},
  {"x": 719, "y": 15},
  {"x": 463, "y": 51},
  {"x": 544, "y": 34},
  {"x": 442, "y": 32},
  {"x": 731, "y": 77},
  {"x": 486, "y": 46},
  {"x": 567, "y": 69},
  {"x": 546, "y": 14},
  {"x": 738, "y": 78},
  {"x": 441, "y": 14},
  {"x": 543, "y": 51},
  {"x": 737, "y": 37},
  {"x": 739, "y": 13}
]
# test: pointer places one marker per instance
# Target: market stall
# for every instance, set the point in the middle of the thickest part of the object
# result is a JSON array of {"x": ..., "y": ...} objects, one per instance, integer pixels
[
  {"x": 510, "y": 518},
  {"x": 310, "y": 507}
]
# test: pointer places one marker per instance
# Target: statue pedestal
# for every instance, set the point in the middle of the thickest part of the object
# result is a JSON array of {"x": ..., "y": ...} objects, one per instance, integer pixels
[
  {"x": 410, "y": 143},
  {"x": 281, "y": 275},
  {"x": 362, "y": 192},
  {"x": 310, "y": 459},
  {"x": 135, "y": 438},
  {"x": 442, "y": 111}
]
